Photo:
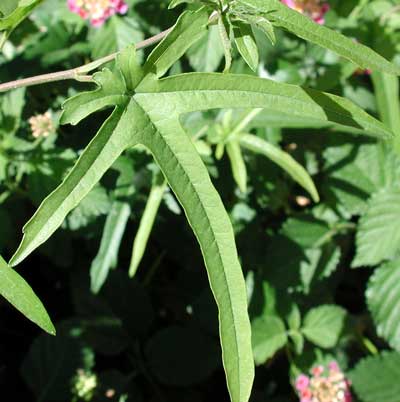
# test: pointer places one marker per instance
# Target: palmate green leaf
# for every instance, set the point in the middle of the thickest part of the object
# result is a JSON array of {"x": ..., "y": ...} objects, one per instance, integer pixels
[
  {"x": 304, "y": 27},
  {"x": 146, "y": 222},
  {"x": 188, "y": 178},
  {"x": 376, "y": 378},
  {"x": 17, "y": 292},
  {"x": 383, "y": 298},
  {"x": 378, "y": 237},
  {"x": 184, "y": 169},
  {"x": 322, "y": 325},
  {"x": 148, "y": 114},
  {"x": 283, "y": 159}
]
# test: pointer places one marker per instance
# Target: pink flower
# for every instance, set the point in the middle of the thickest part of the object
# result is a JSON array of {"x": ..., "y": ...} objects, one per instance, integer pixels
[
  {"x": 333, "y": 366},
  {"x": 120, "y": 6},
  {"x": 324, "y": 385},
  {"x": 348, "y": 397},
  {"x": 361, "y": 71},
  {"x": 289, "y": 3},
  {"x": 317, "y": 371},
  {"x": 97, "y": 22},
  {"x": 72, "y": 6},
  {"x": 306, "y": 395},
  {"x": 97, "y": 11},
  {"x": 315, "y": 9},
  {"x": 302, "y": 382}
]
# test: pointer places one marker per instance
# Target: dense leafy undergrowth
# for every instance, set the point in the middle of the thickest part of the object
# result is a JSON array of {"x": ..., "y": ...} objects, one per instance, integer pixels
[{"x": 298, "y": 128}]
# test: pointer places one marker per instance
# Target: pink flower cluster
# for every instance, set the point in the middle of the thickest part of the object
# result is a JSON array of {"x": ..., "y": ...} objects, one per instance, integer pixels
[
  {"x": 97, "y": 11},
  {"x": 315, "y": 9},
  {"x": 324, "y": 385}
]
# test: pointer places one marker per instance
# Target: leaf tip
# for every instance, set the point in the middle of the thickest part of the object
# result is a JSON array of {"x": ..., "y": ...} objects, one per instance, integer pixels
[
  {"x": 132, "y": 269},
  {"x": 19, "y": 255},
  {"x": 65, "y": 118},
  {"x": 315, "y": 196},
  {"x": 14, "y": 261},
  {"x": 51, "y": 329}
]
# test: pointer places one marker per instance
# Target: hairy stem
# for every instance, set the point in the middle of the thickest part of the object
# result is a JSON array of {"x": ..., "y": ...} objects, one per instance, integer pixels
[{"x": 77, "y": 73}]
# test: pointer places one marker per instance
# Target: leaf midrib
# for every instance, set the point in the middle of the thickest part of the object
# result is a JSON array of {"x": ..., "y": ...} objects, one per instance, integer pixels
[
  {"x": 332, "y": 43},
  {"x": 370, "y": 125},
  {"x": 231, "y": 311},
  {"x": 17, "y": 288}
]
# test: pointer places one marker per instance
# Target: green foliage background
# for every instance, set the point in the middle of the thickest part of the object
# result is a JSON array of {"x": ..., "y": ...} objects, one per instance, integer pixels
[{"x": 320, "y": 257}]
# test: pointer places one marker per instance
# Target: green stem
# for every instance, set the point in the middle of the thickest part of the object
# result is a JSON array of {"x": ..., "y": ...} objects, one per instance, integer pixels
[
  {"x": 3, "y": 39},
  {"x": 357, "y": 10},
  {"x": 106, "y": 59},
  {"x": 334, "y": 231},
  {"x": 388, "y": 14},
  {"x": 290, "y": 358},
  {"x": 243, "y": 124},
  {"x": 4, "y": 196},
  {"x": 370, "y": 346},
  {"x": 201, "y": 133}
]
